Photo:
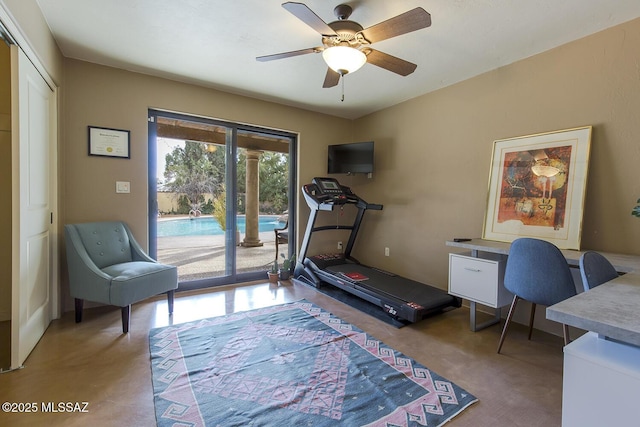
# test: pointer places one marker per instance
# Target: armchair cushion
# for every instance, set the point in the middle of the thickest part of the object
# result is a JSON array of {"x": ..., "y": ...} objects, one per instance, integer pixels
[
  {"x": 137, "y": 280},
  {"x": 106, "y": 243}
]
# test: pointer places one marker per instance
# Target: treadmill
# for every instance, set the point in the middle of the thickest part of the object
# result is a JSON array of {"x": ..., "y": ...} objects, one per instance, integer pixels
[{"x": 401, "y": 298}]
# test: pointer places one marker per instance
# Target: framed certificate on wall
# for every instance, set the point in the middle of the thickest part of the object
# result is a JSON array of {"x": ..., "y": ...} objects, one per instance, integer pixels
[{"x": 109, "y": 142}]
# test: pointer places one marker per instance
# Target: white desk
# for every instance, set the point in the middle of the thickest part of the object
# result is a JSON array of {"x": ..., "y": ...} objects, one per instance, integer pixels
[
  {"x": 611, "y": 309},
  {"x": 602, "y": 368},
  {"x": 622, "y": 263},
  {"x": 601, "y": 383},
  {"x": 587, "y": 312}
]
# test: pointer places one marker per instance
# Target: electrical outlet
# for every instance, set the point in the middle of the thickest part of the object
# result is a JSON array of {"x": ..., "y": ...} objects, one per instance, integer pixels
[
  {"x": 340, "y": 245},
  {"x": 386, "y": 251}
]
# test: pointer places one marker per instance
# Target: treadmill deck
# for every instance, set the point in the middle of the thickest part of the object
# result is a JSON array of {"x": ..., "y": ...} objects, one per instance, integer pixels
[
  {"x": 398, "y": 296},
  {"x": 391, "y": 286}
]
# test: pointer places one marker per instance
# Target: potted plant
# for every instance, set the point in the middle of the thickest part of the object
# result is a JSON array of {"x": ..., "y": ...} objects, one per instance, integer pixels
[
  {"x": 292, "y": 260},
  {"x": 636, "y": 210},
  {"x": 287, "y": 266},
  {"x": 273, "y": 273}
]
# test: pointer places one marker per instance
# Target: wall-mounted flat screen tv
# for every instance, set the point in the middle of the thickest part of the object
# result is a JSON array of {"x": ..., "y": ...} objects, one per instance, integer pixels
[{"x": 356, "y": 157}]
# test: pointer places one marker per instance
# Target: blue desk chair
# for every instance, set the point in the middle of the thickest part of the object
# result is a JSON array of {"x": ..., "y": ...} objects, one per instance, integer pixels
[
  {"x": 108, "y": 266},
  {"x": 537, "y": 272},
  {"x": 595, "y": 269}
]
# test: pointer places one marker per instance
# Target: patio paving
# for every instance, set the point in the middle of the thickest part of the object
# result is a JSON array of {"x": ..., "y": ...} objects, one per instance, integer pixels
[{"x": 199, "y": 257}]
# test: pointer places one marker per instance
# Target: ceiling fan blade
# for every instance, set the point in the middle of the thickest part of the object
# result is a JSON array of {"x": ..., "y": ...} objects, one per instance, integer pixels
[
  {"x": 412, "y": 20},
  {"x": 306, "y": 15},
  {"x": 289, "y": 54},
  {"x": 331, "y": 79},
  {"x": 389, "y": 62}
]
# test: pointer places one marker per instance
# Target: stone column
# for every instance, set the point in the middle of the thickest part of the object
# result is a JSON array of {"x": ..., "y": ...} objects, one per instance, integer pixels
[{"x": 252, "y": 233}]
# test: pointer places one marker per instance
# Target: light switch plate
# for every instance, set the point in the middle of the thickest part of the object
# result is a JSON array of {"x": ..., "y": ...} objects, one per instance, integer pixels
[{"x": 123, "y": 187}]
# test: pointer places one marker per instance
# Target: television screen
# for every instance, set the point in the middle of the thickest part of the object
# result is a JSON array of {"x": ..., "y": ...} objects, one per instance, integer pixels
[{"x": 356, "y": 157}]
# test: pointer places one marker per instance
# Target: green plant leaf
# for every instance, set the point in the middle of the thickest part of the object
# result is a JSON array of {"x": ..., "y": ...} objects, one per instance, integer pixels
[{"x": 636, "y": 210}]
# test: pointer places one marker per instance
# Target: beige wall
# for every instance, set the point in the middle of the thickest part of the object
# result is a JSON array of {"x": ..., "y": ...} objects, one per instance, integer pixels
[
  {"x": 5, "y": 182},
  {"x": 108, "y": 97},
  {"x": 433, "y": 153}
]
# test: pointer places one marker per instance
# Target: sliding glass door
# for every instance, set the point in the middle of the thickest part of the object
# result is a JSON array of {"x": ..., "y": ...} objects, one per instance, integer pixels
[{"x": 217, "y": 191}]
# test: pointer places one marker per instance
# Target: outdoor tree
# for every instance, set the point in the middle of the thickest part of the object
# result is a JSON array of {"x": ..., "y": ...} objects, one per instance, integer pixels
[
  {"x": 194, "y": 171},
  {"x": 274, "y": 180}
]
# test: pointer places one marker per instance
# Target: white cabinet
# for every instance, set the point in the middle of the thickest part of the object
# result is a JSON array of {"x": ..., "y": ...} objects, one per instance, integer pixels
[
  {"x": 479, "y": 280},
  {"x": 601, "y": 383}
]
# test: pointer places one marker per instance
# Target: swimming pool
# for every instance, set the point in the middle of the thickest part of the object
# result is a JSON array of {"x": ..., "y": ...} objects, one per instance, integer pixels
[{"x": 208, "y": 226}]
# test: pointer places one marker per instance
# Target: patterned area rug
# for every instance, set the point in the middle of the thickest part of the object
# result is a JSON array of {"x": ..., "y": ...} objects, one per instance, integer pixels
[{"x": 291, "y": 365}]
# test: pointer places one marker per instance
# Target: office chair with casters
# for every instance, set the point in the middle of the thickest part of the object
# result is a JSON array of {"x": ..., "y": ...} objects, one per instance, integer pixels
[
  {"x": 107, "y": 265},
  {"x": 537, "y": 272},
  {"x": 595, "y": 269}
]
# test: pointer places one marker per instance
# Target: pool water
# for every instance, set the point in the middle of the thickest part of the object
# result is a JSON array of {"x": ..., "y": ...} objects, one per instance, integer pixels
[{"x": 208, "y": 226}]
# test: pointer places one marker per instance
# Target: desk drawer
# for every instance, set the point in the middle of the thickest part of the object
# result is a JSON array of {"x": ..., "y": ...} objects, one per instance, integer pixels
[{"x": 478, "y": 279}]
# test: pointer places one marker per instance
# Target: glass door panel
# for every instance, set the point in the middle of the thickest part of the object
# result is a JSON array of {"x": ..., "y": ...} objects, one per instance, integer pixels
[
  {"x": 218, "y": 193},
  {"x": 263, "y": 202},
  {"x": 191, "y": 195}
]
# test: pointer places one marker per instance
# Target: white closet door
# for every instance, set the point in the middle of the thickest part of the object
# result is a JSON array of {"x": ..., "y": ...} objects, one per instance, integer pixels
[{"x": 33, "y": 204}]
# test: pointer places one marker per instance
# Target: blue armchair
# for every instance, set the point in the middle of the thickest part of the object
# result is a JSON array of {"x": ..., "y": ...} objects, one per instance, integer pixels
[
  {"x": 537, "y": 272},
  {"x": 108, "y": 266}
]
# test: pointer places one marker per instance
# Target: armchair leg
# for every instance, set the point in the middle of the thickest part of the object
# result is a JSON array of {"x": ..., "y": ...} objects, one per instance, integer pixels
[
  {"x": 79, "y": 304},
  {"x": 126, "y": 318},
  {"x": 512, "y": 309},
  {"x": 170, "y": 300}
]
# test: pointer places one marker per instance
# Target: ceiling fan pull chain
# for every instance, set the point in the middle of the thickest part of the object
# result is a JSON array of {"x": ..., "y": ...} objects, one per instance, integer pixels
[{"x": 342, "y": 99}]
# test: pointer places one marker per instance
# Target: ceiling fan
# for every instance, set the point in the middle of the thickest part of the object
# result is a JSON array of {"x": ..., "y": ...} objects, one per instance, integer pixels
[{"x": 346, "y": 45}]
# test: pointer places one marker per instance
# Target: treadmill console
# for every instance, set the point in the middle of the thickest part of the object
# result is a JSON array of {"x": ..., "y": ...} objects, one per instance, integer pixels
[
  {"x": 328, "y": 191},
  {"x": 325, "y": 193},
  {"x": 328, "y": 186}
]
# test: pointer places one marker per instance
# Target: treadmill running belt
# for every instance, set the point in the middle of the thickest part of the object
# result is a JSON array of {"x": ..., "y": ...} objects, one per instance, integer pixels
[{"x": 391, "y": 285}]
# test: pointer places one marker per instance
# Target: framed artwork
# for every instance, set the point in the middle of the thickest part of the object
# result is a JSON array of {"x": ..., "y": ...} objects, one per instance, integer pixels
[
  {"x": 109, "y": 142},
  {"x": 537, "y": 187}
]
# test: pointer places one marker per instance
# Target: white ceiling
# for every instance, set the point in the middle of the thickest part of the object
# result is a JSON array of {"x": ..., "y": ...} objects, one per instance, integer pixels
[{"x": 214, "y": 43}]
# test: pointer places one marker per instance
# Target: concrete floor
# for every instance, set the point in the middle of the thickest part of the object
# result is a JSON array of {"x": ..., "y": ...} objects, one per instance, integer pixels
[{"x": 94, "y": 362}]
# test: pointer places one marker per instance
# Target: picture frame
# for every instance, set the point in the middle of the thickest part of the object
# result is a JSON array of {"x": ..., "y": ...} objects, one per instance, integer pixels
[
  {"x": 537, "y": 186},
  {"x": 109, "y": 142}
]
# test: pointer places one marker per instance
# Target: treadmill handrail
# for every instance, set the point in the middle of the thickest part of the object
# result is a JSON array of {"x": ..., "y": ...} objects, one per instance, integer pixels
[{"x": 370, "y": 206}]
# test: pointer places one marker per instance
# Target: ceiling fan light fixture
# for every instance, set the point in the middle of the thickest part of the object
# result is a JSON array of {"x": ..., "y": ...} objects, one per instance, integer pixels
[{"x": 344, "y": 59}]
